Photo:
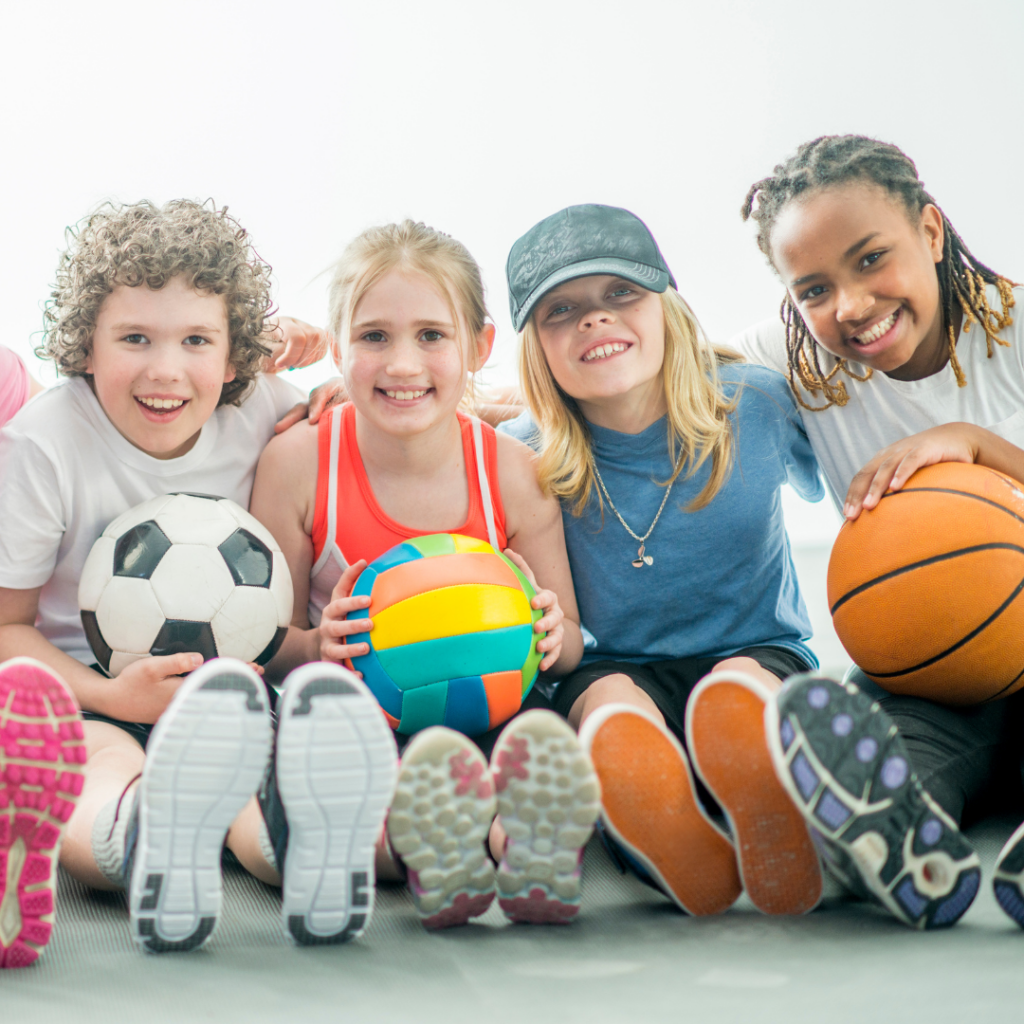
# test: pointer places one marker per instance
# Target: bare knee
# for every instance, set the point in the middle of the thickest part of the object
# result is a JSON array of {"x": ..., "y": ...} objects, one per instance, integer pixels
[
  {"x": 616, "y": 688},
  {"x": 749, "y": 667}
]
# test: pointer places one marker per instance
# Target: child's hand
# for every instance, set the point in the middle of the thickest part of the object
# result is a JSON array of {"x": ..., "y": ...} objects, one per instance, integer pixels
[
  {"x": 892, "y": 467},
  {"x": 142, "y": 690},
  {"x": 334, "y": 627},
  {"x": 550, "y": 622},
  {"x": 294, "y": 343},
  {"x": 332, "y": 392}
]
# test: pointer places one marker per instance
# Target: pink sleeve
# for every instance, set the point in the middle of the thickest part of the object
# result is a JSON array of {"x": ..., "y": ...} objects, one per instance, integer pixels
[{"x": 13, "y": 384}]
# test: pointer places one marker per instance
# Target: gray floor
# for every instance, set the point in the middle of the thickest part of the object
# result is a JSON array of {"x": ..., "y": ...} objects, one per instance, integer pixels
[{"x": 629, "y": 956}]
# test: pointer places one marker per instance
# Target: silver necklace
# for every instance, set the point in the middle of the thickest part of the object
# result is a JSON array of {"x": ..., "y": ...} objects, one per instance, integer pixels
[{"x": 642, "y": 558}]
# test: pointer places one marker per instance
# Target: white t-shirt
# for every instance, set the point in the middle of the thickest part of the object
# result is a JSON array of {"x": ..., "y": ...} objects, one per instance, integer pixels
[
  {"x": 882, "y": 410},
  {"x": 66, "y": 473}
]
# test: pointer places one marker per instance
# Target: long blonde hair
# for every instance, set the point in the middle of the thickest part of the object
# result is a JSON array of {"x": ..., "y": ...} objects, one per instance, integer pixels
[
  {"x": 441, "y": 258},
  {"x": 698, "y": 412}
]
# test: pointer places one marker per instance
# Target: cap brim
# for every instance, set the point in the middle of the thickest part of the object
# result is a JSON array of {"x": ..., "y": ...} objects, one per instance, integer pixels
[{"x": 648, "y": 277}]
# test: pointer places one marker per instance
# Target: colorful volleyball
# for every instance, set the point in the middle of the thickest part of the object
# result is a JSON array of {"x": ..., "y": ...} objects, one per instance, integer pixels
[{"x": 452, "y": 640}]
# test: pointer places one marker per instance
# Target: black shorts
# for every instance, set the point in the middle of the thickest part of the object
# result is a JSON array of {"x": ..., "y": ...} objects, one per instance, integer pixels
[{"x": 669, "y": 683}]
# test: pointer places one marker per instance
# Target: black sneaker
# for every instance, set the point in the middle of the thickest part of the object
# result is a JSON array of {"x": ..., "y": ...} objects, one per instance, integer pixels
[
  {"x": 1008, "y": 882},
  {"x": 204, "y": 761},
  {"x": 843, "y": 762},
  {"x": 335, "y": 768}
]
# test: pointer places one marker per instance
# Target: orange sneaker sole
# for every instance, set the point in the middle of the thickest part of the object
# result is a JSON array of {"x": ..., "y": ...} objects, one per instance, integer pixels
[
  {"x": 726, "y": 735},
  {"x": 649, "y": 804}
]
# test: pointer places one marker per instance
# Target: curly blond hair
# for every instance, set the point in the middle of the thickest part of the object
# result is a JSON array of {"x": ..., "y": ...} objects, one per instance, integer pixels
[{"x": 143, "y": 244}]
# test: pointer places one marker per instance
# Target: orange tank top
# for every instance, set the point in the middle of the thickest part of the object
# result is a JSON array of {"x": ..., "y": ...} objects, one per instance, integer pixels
[{"x": 348, "y": 522}]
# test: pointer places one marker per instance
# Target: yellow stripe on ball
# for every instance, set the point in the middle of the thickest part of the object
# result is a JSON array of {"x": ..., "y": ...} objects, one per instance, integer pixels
[{"x": 449, "y": 611}]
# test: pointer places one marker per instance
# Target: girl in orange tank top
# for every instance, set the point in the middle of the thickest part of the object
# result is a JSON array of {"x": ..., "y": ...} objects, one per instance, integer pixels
[{"x": 399, "y": 461}]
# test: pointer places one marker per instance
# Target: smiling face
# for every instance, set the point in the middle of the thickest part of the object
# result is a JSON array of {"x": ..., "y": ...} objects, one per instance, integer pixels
[
  {"x": 407, "y": 362},
  {"x": 861, "y": 270},
  {"x": 159, "y": 359},
  {"x": 604, "y": 339}
]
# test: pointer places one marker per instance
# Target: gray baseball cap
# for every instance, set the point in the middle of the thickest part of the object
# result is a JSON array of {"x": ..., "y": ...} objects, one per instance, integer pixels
[{"x": 577, "y": 242}]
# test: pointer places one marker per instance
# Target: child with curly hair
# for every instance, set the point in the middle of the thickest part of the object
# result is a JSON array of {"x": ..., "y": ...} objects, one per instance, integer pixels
[{"x": 158, "y": 318}]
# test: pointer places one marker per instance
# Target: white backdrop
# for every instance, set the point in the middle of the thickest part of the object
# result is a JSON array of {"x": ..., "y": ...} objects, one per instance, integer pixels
[{"x": 314, "y": 120}]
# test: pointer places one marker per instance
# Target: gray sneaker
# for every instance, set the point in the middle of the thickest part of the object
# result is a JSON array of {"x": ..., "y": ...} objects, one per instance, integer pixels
[{"x": 842, "y": 760}]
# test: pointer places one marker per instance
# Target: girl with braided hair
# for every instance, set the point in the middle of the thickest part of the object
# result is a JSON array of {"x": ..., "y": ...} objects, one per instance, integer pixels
[{"x": 902, "y": 351}]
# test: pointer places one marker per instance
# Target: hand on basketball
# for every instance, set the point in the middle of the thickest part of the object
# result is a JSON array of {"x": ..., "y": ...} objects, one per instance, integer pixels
[
  {"x": 550, "y": 622},
  {"x": 892, "y": 467},
  {"x": 334, "y": 627},
  {"x": 141, "y": 691}
]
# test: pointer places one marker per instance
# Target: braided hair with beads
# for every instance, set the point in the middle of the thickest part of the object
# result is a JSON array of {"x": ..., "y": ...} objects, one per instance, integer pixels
[{"x": 835, "y": 160}]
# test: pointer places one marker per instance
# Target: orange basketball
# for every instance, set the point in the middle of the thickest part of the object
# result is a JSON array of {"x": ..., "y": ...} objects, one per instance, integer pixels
[{"x": 927, "y": 589}]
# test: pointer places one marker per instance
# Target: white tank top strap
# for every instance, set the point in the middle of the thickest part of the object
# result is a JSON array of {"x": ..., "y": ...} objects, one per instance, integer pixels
[
  {"x": 331, "y": 542},
  {"x": 485, "y": 484}
]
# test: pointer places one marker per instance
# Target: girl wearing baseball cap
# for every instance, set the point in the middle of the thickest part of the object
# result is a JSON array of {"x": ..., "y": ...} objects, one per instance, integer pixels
[{"x": 668, "y": 455}]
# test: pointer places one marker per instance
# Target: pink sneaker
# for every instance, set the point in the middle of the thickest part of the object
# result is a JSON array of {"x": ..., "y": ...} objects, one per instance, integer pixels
[
  {"x": 42, "y": 750},
  {"x": 440, "y": 817},
  {"x": 549, "y": 797}
]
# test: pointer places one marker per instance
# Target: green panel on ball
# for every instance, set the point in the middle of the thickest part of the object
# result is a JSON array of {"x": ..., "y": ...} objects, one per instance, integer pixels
[
  {"x": 423, "y": 706},
  {"x": 433, "y": 544}
]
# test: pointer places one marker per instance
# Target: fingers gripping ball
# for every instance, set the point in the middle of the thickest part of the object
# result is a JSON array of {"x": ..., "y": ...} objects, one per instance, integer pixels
[
  {"x": 185, "y": 572},
  {"x": 452, "y": 640},
  {"x": 927, "y": 589}
]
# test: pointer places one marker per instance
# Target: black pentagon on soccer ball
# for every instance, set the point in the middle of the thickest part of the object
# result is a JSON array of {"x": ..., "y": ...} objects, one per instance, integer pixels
[
  {"x": 138, "y": 552},
  {"x": 179, "y": 636},
  {"x": 273, "y": 647},
  {"x": 248, "y": 558},
  {"x": 96, "y": 641}
]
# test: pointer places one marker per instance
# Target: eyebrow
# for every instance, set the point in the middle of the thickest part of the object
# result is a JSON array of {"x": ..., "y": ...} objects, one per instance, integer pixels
[
  {"x": 364, "y": 324},
  {"x": 853, "y": 250},
  {"x": 127, "y": 328}
]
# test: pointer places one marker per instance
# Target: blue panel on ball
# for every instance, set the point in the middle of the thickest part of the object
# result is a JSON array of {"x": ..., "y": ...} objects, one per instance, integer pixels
[
  {"x": 398, "y": 555},
  {"x": 388, "y": 695},
  {"x": 471, "y": 654},
  {"x": 364, "y": 585},
  {"x": 466, "y": 711},
  {"x": 423, "y": 707}
]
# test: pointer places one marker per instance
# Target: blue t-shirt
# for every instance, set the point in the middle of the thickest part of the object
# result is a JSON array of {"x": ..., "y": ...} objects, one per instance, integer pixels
[{"x": 722, "y": 579}]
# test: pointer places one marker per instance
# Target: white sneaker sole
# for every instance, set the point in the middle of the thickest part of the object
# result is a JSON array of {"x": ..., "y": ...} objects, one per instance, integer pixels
[
  {"x": 549, "y": 798},
  {"x": 336, "y": 764},
  {"x": 440, "y": 819},
  {"x": 204, "y": 760}
]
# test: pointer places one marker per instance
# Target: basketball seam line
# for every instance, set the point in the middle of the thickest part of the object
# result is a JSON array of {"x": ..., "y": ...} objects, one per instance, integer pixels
[
  {"x": 996, "y": 696},
  {"x": 934, "y": 559},
  {"x": 960, "y": 643},
  {"x": 951, "y": 490}
]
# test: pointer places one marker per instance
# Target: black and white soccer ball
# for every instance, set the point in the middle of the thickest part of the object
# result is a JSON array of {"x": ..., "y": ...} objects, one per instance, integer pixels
[{"x": 185, "y": 572}]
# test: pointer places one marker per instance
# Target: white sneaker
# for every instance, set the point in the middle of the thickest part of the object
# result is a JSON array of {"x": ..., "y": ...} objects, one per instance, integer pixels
[
  {"x": 336, "y": 763},
  {"x": 204, "y": 760}
]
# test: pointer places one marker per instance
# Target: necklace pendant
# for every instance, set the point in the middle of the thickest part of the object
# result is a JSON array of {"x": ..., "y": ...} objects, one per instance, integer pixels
[{"x": 641, "y": 559}]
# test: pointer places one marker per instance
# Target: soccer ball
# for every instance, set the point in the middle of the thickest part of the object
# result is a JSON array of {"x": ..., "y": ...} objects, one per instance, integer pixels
[
  {"x": 452, "y": 640},
  {"x": 185, "y": 572}
]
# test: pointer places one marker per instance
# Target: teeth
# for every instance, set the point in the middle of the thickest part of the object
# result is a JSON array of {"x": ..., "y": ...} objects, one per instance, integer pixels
[
  {"x": 406, "y": 396},
  {"x": 877, "y": 331},
  {"x": 162, "y": 403},
  {"x": 604, "y": 350}
]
